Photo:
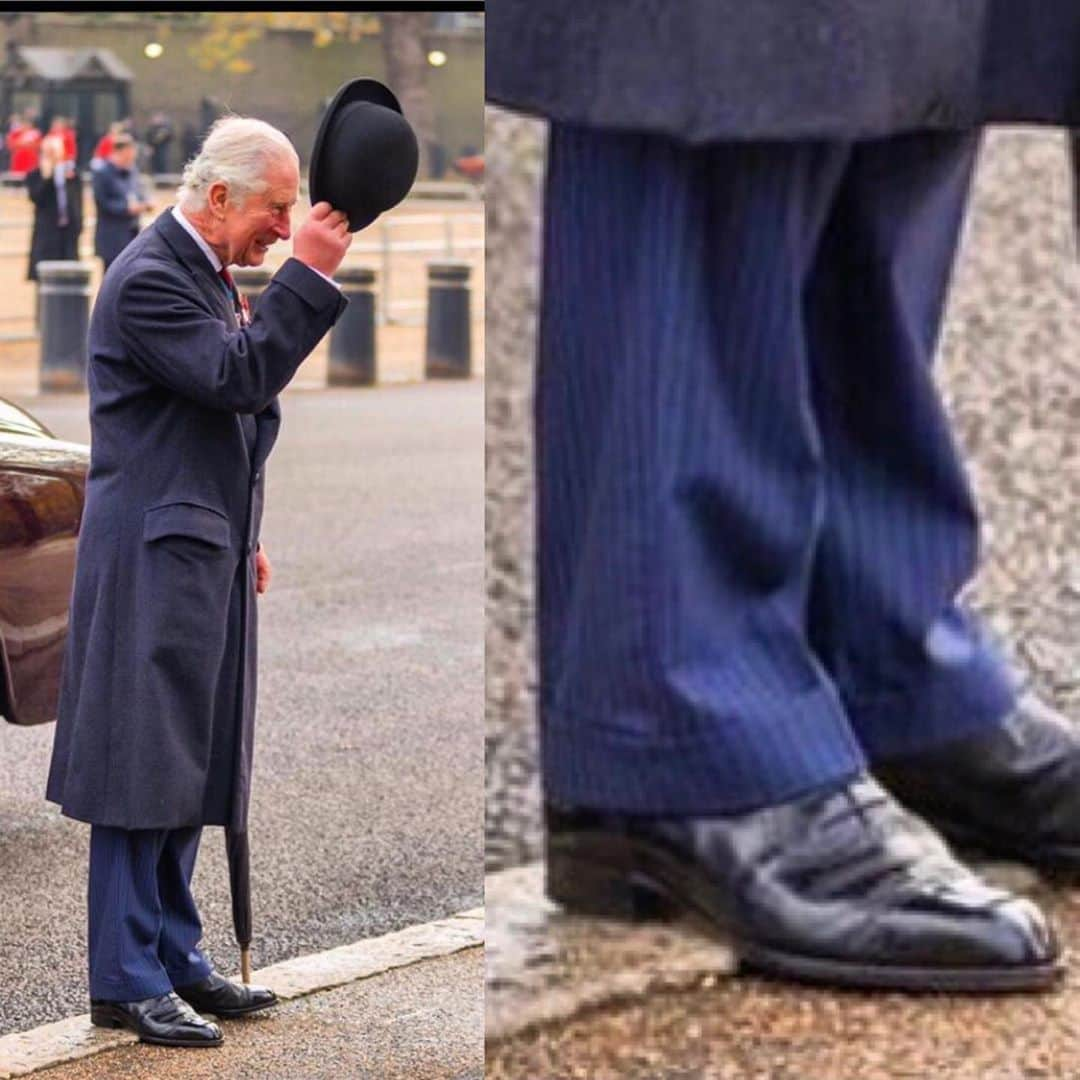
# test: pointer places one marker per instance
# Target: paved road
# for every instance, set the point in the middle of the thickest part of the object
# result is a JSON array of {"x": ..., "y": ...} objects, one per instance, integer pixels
[{"x": 367, "y": 810}]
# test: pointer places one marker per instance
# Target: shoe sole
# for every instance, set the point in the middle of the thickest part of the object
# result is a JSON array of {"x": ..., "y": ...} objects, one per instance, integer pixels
[
  {"x": 107, "y": 1018},
  {"x": 586, "y": 881}
]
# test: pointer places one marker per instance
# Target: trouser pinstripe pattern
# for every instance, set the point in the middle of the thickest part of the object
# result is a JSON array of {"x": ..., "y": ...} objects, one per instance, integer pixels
[
  {"x": 752, "y": 521},
  {"x": 144, "y": 927}
]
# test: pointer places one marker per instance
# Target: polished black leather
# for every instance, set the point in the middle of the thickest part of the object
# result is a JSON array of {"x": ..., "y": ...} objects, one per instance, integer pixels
[
  {"x": 1011, "y": 791},
  {"x": 164, "y": 1020},
  {"x": 217, "y": 995},
  {"x": 842, "y": 886}
]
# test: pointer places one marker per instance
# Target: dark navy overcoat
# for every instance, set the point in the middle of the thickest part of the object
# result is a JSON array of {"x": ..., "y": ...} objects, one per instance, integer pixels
[
  {"x": 157, "y": 695},
  {"x": 708, "y": 70}
]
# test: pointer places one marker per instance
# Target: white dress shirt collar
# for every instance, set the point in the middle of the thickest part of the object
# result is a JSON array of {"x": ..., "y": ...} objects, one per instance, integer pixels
[{"x": 195, "y": 235}]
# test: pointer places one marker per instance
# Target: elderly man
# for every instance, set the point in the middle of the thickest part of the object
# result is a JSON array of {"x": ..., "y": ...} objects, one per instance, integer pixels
[
  {"x": 119, "y": 200},
  {"x": 154, "y": 735}
]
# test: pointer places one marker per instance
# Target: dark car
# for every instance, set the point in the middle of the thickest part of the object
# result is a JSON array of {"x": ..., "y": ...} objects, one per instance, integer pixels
[{"x": 42, "y": 487}]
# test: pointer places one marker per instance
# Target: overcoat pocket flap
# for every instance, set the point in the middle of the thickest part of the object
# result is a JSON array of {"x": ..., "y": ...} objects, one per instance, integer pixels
[{"x": 186, "y": 519}]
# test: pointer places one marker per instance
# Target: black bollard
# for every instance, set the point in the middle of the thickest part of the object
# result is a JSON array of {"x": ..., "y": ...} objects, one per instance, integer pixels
[
  {"x": 352, "y": 340},
  {"x": 449, "y": 348},
  {"x": 64, "y": 293},
  {"x": 250, "y": 283}
]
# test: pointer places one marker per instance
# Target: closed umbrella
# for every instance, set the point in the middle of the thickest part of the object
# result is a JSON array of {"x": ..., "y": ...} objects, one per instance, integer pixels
[{"x": 239, "y": 856}]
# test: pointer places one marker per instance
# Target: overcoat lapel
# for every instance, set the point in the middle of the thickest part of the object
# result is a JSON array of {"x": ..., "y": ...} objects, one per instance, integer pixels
[{"x": 197, "y": 264}]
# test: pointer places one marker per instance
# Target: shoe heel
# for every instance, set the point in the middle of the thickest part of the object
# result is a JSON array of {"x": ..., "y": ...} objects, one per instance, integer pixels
[
  {"x": 101, "y": 1016},
  {"x": 600, "y": 884}
]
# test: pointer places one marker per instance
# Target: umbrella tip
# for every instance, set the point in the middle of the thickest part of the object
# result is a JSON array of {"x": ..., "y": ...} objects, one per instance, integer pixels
[{"x": 245, "y": 964}]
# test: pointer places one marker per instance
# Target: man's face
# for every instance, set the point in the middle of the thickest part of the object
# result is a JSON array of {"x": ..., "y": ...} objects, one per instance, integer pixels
[
  {"x": 263, "y": 219},
  {"x": 123, "y": 157}
]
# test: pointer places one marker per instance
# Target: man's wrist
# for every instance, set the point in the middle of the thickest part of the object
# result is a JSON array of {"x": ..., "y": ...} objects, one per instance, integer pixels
[{"x": 316, "y": 270}]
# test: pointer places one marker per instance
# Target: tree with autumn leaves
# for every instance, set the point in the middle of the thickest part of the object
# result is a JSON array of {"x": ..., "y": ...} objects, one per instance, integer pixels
[{"x": 229, "y": 36}]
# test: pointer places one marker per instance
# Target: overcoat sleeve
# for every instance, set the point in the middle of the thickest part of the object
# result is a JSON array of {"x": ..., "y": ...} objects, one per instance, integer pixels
[{"x": 177, "y": 341}]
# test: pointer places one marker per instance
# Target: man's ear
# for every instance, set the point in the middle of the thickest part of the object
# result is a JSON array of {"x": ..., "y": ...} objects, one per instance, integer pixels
[{"x": 217, "y": 197}]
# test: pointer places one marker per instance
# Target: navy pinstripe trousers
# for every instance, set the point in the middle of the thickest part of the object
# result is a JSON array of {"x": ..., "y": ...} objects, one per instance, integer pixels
[
  {"x": 752, "y": 523},
  {"x": 144, "y": 927}
]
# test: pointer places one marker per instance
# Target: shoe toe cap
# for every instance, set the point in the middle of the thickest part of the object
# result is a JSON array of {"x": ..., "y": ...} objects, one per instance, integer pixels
[
  {"x": 1007, "y": 931},
  {"x": 209, "y": 1031},
  {"x": 1024, "y": 934}
]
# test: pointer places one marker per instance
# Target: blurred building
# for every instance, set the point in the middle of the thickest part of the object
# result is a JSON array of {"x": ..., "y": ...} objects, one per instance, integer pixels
[
  {"x": 152, "y": 61},
  {"x": 89, "y": 86}
]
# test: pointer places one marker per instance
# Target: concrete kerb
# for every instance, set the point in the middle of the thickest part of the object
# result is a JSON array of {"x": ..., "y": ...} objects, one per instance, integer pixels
[
  {"x": 26, "y": 1052},
  {"x": 542, "y": 967}
]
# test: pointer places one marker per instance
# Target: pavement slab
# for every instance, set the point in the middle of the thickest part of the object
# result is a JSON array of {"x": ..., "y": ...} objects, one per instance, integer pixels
[
  {"x": 74, "y": 1037},
  {"x": 422, "y": 1022},
  {"x": 543, "y": 965}
]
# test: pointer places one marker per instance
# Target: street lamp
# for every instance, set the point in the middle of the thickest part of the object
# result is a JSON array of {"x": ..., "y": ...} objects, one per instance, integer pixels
[
  {"x": 153, "y": 49},
  {"x": 436, "y": 58}
]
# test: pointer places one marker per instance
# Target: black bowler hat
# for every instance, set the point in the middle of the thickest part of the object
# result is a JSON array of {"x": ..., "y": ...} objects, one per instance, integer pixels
[{"x": 366, "y": 155}]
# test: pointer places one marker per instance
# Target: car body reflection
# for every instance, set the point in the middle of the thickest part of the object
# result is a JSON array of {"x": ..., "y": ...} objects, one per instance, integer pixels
[{"x": 42, "y": 486}]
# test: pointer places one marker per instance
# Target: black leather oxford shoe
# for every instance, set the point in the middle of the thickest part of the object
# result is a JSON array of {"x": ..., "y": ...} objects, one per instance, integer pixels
[
  {"x": 225, "y": 999},
  {"x": 841, "y": 887},
  {"x": 1013, "y": 791},
  {"x": 164, "y": 1020}
]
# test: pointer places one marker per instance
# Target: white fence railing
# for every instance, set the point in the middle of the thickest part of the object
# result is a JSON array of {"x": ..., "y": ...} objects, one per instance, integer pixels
[{"x": 399, "y": 248}]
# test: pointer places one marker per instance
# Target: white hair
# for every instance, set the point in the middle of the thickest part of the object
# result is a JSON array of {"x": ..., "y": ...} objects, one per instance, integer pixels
[{"x": 236, "y": 151}]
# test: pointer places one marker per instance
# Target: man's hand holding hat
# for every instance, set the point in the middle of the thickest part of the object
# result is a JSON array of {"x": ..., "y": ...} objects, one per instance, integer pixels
[
  {"x": 365, "y": 156},
  {"x": 323, "y": 239}
]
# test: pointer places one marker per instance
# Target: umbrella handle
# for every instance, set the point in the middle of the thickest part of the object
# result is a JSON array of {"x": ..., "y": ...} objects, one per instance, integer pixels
[{"x": 245, "y": 963}]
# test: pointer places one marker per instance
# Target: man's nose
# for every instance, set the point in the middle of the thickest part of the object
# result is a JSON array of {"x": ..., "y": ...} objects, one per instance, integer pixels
[{"x": 283, "y": 228}]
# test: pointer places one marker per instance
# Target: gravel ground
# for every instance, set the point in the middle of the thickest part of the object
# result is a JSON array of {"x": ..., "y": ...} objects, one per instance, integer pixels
[
  {"x": 1009, "y": 370},
  {"x": 750, "y": 1028}
]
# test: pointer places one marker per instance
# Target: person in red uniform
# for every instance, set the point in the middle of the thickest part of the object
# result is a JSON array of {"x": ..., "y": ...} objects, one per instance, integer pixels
[
  {"x": 64, "y": 127},
  {"x": 24, "y": 142}
]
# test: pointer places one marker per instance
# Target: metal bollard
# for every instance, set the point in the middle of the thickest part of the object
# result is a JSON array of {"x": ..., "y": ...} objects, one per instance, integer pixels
[
  {"x": 64, "y": 291},
  {"x": 250, "y": 282},
  {"x": 352, "y": 340},
  {"x": 449, "y": 346}
]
